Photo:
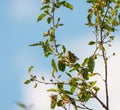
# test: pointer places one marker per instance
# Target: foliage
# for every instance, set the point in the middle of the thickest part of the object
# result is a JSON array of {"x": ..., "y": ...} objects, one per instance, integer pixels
[{"x": 103, "y": 16}]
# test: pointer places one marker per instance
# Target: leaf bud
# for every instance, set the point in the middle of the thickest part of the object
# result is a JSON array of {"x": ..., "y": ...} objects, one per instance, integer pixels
[
  {"x": 46, "y": 34},
  {"x": 43, "y": 1}
]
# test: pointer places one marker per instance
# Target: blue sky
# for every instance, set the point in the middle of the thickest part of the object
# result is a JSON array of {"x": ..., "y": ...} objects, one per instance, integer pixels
[{"x": 18, "y": 29}]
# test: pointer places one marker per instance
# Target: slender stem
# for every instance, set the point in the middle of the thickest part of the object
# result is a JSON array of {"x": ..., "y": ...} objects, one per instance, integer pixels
[
  {"x": 53, "y": 16},
  {"x": 106, "y": 79},
  {"x": 99, "y": 100},
  {"x": 106, "y": 69},
  {"x": 53, "y": 13},
  {"x": 108, "y": 4},
  {"x": 104, "y": 58},
  {"x": 52, "y": 83}
]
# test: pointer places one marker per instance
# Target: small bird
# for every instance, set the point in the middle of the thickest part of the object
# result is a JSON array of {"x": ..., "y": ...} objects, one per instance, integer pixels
[{"x": 70, "y": 57}]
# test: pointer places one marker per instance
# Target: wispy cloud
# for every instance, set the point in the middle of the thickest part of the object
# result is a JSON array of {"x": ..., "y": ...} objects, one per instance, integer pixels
[{"x": 22, "y": 9}]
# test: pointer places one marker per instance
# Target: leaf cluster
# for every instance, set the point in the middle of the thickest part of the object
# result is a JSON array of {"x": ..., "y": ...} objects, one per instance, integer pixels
[{"x": 72, "y": 80}]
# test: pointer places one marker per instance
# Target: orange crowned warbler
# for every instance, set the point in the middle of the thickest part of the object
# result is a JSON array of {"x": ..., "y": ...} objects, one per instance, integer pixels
[{"x": 70, "y": 57}]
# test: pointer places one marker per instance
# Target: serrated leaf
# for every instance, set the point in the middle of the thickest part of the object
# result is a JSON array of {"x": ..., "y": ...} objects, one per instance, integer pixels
[
  {"x": 41, "y": 17},
  {"x": 68, "y": 5},
  {"x": 30, "y": 68}
]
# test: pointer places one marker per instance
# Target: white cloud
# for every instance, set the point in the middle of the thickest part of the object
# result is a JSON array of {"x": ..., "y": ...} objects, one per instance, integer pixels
[
  {"x": 38, "y": 97},
  {"x": 22, "y": 9}
]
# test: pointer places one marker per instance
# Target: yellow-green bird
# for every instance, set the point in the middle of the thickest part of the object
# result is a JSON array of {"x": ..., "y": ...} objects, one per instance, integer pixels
[{"x": 70, "y": 57}]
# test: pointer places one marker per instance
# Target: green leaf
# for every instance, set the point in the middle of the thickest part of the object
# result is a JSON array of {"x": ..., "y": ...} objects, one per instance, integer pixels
[
  {"x": 58, "y": 19},
  {"x": 54, "y": 67},
  {"x": 92, "y": 83},
  {"x": 92, "y": 74},
  {"x": 30, "y": 68},
  {"x": 68, "y": 74},
  {"x": 45, "y": 7},
  {"x": 91, "y": 64},
  {"x": 35, "y": 85},
  {"x": 63, "y": 49},
  {"x": 59, "y": 76},
  {"x": 96, "y": 88},
  {"x": 73, "y": 88},
  {"x": 75, "y": 67},
  {"x": 60, "y": 86},
  {"x": 41, "y": 17},
  {"x": 91, "y": 1},
  {"x": 36, "y": 44},
  {"x": 85, "y": 62},
  {"x": 53, "y": 101},
  {"x": 91, "y": 43},
  {"x": 52, "y": 90},
  {"x": 87, "y": 96},
  {"x": 61, "y": 24},
  {"x": 21, "y": 105},
  {"x": 27, "y": 82},
  {"x": 84, "y": 96},
  {"x": 119, "y": 18},
  {"x": 84, "y": 73},
  {"x": 61, "y": 65},
  {"x": 115, "y": 22},
  {"x": 33, "y": 78},
  {"x": 49, "y": 19},
  {"x": 43, "y": 78},
  {"x": 73, "y": 81},
  {"x": 60, "y": 103},
  {"x": 68, "y": 5}
]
